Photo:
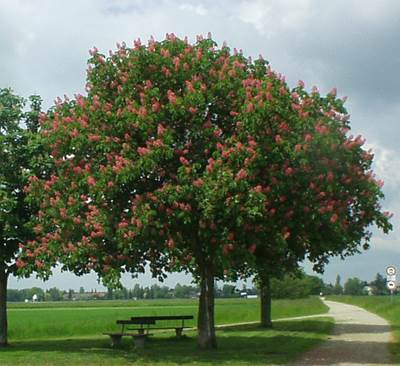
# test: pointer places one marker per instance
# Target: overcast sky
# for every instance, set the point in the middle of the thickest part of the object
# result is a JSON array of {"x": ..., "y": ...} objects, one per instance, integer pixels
[{"x": 348, "y": 44}]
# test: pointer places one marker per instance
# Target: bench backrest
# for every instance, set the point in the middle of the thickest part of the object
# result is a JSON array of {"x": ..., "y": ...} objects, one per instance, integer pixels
[
  {"x": 161, "y": 317},
  {"x": 137, "y": 321}
]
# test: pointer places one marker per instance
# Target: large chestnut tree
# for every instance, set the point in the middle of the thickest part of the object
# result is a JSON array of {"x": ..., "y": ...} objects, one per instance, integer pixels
[{"x": 193, "y": 158}]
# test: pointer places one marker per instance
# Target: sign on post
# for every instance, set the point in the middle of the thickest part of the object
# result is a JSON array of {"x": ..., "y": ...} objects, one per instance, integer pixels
[
  {"x": 391, "y": 270},
  {"x": 391, "y": 278},
  {"x": 391, "y": 285}
]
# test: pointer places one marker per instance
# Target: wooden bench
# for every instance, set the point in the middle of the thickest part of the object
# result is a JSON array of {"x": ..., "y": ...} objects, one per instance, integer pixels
[
  {"x": 143, "y": 326},
  {"x": 178, "y": 328}
]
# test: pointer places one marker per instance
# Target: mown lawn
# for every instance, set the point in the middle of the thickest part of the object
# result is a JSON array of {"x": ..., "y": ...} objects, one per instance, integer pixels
[
  {"x": 241, "y": 345},
  {"x": 54, "y": 320},
  {"x": 62, "y": 335},
  {"x": 384, "y": 306}
]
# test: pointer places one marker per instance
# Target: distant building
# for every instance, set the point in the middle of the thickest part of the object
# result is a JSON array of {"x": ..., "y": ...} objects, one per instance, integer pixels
[
  {"x": 369, "y": 290},
  {"x": 92, "y": 295}
]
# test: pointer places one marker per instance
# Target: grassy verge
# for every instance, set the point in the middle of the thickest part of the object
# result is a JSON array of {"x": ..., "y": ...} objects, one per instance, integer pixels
[
  {"x": 384, "y": 306},
  {"x": 55, "y": 320},
  {"x": 242, "y": 345}
]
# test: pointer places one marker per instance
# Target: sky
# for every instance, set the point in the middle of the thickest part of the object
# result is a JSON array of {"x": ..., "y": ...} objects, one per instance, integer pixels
[{"x": 348, "y": 44}]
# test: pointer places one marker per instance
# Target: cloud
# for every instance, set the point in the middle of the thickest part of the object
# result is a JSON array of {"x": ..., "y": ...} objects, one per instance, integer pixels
[{"x": 198, "y": 9}]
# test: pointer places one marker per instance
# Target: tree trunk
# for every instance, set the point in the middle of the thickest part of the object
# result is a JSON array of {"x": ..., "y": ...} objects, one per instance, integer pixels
[
  {"x": 205, "y": 321},
  {"x": 265, "y": 297},
  {"x": 3, "y": 307}
]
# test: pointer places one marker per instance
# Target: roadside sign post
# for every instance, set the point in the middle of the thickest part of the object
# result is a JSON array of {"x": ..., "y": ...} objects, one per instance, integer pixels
[{"x": 391, "y": 280}]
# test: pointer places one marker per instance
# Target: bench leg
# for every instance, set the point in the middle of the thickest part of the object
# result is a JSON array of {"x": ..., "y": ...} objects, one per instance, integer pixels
[
  {"x": 138, "y": 342},
  {"x": 178, "y": 332},
  {"x": 115, "y": 340}
]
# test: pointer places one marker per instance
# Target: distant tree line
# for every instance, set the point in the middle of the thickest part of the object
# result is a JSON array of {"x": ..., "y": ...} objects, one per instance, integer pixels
[
  {"x": 291, "y": 286},
  {"x": 356, "y": 287}
]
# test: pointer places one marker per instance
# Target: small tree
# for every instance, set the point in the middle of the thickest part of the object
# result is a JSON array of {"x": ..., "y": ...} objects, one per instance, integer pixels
[
  {"x": 228, "y": 290},
  {"x": 193, "y": 158},
  {"x": 379, "y": 285},
  {"x": 16, "y": 128},
  {"x": 354, "y": 286},
  {"x": 337, "y": 288}
]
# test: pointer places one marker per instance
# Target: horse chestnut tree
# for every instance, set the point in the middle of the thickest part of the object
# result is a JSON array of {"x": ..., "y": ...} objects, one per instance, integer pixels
[{"x": 193, "y": 158}]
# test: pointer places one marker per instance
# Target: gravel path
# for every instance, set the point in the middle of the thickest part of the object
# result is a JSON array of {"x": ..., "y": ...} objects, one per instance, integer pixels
[{"x": 359, "y": 338}]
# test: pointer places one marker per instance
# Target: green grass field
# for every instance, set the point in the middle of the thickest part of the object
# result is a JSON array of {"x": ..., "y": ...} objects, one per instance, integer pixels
[
  {"x": 59, "y": 334},
  {"x": 384, "y": 306},
  {"x": 54, "y": 320}
]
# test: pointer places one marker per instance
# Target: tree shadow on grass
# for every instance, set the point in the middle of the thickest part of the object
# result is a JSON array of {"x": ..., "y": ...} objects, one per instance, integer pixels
[
  {"x": 364, "y": 328},
  {"x": 246, "y": 344}
]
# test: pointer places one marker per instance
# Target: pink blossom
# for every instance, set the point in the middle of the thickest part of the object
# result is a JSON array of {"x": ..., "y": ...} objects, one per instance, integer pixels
[
  {"x": 63, "y": 213},
  {"x": 39, "y": 264},
  {"x": 308, "y": 137},
  {"x": 210, "y": 166},
  {"x": 142, "y": 112},
  {"x": 94, "y": 138},
  {"x": 190, "y": 87},
  {"x": 171, "y": 243},
  {"x": 289, "y": 171},
  {"x": 258, "y": 189},
  {"x": 227, "y": 248},
  {"x": 250, "y": 107},
  {"x": 93, "y": 51},
  {"x": 286, "y": 233},
  {"x": 155, "y": 107},
  {"x": 74, "y": 133},
  {"x": 278, "y": 139},
  {"x": 91, "y": 181},
  {"x": 242, "y": 174},
  {"x": 20, "y": 263},
  {"x": 252, "y": 248},
  {"x": 198, "y": 182},
  {"x": 388, "y": 214},
  {"x": 171, "y": 97},
  {"x": 122, "y": 225},
  {"x": 333, "y": 218},
  {"x": 143, "y": 150}
]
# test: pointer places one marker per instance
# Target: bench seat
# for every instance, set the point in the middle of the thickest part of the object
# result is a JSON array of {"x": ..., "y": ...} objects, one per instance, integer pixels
[{"x": 178, "y": 329}]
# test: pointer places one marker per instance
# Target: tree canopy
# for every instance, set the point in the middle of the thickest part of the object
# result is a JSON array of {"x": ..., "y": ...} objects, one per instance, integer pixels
[
  {"x": 193, "y": 157},
  {"x": 16, "y": 127}
]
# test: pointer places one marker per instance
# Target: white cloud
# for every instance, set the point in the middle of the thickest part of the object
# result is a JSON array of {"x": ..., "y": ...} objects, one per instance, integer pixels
[
  {"x": 272, "y": 17},
  {"x": 198, "y": 9},
  {"x": 387, "y": 165}
]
